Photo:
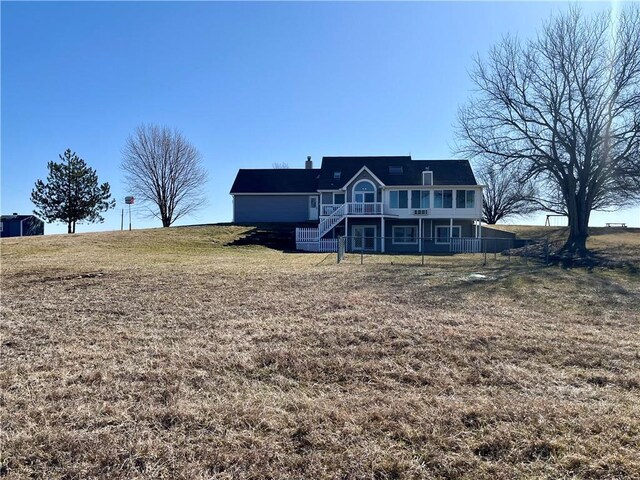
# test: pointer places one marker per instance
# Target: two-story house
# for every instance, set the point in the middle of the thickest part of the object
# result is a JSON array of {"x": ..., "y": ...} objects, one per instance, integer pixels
[{"x": 383, "y": 204}]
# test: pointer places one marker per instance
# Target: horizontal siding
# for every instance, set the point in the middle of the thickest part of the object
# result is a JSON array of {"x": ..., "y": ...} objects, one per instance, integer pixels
[{"x": 270, "y": 208}]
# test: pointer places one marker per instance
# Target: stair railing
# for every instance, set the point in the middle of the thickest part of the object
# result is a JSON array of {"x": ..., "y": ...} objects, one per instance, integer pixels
[{"x": 332, "y": 220}]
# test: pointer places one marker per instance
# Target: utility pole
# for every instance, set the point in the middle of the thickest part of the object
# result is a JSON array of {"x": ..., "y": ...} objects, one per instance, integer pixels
[
  {"x": 122, "y": 219},
  {"x": 129, "y": 200}
]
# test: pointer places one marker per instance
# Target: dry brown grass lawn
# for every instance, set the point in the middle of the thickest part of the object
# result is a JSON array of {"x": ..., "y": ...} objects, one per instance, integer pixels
[{"x": 166, "y": 354}]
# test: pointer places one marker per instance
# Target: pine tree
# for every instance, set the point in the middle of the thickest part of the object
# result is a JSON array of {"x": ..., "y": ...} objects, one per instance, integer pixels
[{"x": 72, "y": 193}]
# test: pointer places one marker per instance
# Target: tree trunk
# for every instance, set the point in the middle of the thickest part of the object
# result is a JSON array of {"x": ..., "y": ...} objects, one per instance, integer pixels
[
  {"x": 69, "y": 227},
  {"x": 576, "y": 244}
]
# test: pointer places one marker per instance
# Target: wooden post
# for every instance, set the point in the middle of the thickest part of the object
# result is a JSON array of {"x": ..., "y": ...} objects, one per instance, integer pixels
[{"x": 484, "y": 248}]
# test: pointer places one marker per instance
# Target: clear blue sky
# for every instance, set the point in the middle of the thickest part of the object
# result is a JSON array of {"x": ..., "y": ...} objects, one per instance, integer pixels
[{"x": 248, "y": 83}]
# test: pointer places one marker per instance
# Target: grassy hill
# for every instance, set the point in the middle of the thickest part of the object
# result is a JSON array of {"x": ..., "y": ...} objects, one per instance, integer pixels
[{"x": 176, "y": 353}]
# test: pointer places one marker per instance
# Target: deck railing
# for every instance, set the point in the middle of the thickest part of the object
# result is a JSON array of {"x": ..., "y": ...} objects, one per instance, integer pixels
[
  {"x": 353, "y": 209},
  {"x": 327, "y": 223},
  {"x": 305, "y": 240}
]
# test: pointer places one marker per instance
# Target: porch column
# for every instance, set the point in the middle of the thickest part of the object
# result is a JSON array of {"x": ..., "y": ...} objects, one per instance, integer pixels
[
  {"x": 479, "y": 228},
  {"x": 383, "y": 235},
  {"x": 450, "y": 229},
  {"x": 420, "y": 234}
]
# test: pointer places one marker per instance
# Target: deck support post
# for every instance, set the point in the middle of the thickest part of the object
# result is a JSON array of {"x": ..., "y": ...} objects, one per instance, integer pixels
[
  {"x": 382, "y": 235},
  {"x": 346, "y": 234},
  {"x": 450, "y": 234},
  {"x": 420, "y": 234}
]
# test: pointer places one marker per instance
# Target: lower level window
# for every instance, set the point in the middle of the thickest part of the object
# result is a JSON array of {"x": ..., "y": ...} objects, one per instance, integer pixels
[
  {"x": 442, "y": 233},
  {"x": 364, "y": 237},
  {"x": 405, "y": 234}
]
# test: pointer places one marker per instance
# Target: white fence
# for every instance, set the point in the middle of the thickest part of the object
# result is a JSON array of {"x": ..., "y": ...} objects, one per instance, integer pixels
[
  {"x": 466, "y": 245},
  {"x": 305, "y": 235},
  {"x": 324, "y": 245},
  {"x": 307, "y": 242}
]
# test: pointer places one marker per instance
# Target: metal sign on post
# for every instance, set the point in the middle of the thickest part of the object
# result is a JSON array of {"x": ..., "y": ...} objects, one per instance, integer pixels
[{"x": 129, "y": 200}]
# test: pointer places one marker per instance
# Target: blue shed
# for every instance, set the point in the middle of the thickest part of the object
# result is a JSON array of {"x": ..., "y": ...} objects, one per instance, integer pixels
[{"x": 20, "y": 225}]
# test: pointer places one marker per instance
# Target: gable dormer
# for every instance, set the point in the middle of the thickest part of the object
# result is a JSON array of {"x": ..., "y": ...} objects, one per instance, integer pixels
[{"x": 366, "y": 185}]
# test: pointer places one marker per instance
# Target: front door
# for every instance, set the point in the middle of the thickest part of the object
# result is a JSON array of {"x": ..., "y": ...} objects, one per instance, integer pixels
[
  {"x": 364, "y": 238},
  {"x": 313, "y": 208}
]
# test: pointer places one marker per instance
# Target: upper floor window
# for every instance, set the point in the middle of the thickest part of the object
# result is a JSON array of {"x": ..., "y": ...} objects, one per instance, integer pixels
[
  {"x": 427, "y": 177},
  {"x": 338, "y": 198},
  {"x": 395, "y": 170},
  {"x": 443, "y": 199},
  {"x": 336, "y": 175},
  {"x": 420, "y": 199},
  {"x": 364, "y": 191},
  {"x": 399, "y": 198},
  {"x": 465, "y": 198}
]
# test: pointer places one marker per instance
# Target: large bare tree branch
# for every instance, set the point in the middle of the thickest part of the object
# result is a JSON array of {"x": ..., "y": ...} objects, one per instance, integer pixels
[
  {"x": 563, "y": 109},
  {"x": 164, "y": 170}
]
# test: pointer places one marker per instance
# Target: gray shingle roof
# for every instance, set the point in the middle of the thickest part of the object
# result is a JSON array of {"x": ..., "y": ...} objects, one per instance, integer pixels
[
  {"x": 276, "y": 180},
  {"x": 299, "y": 180},
  {"x": 445, "y": 172}
]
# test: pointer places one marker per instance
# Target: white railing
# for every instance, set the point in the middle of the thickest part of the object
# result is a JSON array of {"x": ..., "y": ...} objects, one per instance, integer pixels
[
  {"x": 307, "y": 235},
  {"x": 330, "y": 208},
  {"x": 364, "y": 208},
  {"x": 466, "y": 245},
  {"x": 327, "y": 223},
  {"x": 324, "y": 245},
  {"x": 353, "y": 209},
  {"x": 328, "y": 245}
]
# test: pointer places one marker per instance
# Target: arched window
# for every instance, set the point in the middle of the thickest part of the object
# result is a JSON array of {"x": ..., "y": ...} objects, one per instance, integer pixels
[{"x": 364, "y": 192}]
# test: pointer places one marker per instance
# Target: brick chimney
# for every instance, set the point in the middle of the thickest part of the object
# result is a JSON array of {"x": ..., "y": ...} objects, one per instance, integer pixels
[{"x": 308, "y": 164}]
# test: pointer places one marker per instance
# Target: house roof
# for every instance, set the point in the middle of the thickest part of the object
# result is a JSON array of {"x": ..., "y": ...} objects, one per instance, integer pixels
[
  {"x": 276, "y": 180},
  {"x": 395, "y": 171},
  {"x": 6, "y": 218},
  {"x": 401, "y": 170}
]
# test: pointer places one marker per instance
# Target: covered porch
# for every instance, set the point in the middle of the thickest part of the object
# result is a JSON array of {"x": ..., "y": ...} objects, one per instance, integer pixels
[{"x": 394, "y": 235}]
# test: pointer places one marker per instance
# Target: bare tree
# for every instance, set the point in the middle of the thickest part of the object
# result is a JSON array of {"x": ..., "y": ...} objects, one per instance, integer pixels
[
  {"x": 280, "y": 165},
  {"x": 165, "y": 171},
  {"x": 505, "y": 194},
  {"x": 565, "y": 109}
]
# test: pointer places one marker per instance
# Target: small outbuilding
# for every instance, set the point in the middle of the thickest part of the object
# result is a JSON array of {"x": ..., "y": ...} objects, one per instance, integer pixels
[{"x": 20, "y": 225}]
